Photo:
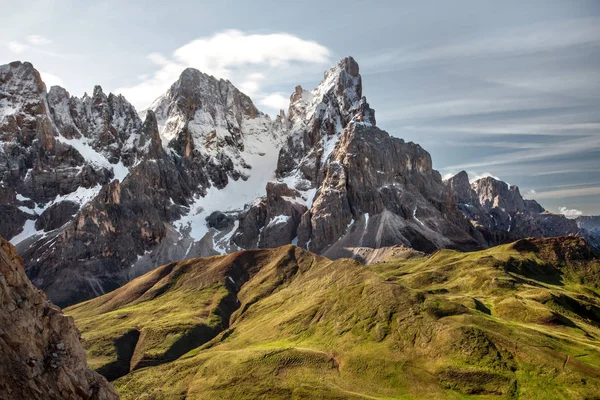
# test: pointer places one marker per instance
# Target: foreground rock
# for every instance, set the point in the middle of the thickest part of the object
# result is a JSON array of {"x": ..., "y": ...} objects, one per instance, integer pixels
[{"x": 40, "y": 353}]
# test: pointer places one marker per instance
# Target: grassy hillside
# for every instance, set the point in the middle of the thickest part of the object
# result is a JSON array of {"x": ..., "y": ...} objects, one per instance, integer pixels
[{"x": 516, "y": 321}]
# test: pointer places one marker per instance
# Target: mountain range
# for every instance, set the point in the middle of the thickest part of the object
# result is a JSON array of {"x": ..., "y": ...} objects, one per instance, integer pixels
[{"x": 94, "y": 194}]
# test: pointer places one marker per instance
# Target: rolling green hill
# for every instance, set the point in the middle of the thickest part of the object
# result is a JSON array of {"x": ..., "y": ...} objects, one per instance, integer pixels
[{"x": 515, "y": 321}]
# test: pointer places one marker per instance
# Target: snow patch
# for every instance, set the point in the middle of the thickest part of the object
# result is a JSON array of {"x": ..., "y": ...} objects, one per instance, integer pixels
[
  {"x": 95, "y": 158},
  {"x": 28, "y": 231},
  {"x": 261, "y": 154},
  {"x": 279, "y": 219},
  {"x": 415, "y": 217}
]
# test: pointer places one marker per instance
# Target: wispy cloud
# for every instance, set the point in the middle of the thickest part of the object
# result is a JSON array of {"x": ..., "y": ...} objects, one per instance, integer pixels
[
  {"x": 511, "y": 128},
  {"x": 38, "y": 40},
  {"x": 33, "y": 43},
  {"x": 471, "y": 106},
  {"x": 566, "y": 171},
  {"x": 233, "y": 55},
  {"x": 575, "y": 146},
  {"x": 569, "y": 193},
  {"x": 534, "y": 38},
  {"x": 17, "y": 47}
]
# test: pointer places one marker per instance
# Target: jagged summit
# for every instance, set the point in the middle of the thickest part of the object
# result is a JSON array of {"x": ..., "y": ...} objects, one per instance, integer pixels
[
  {"x": 318, "y": 117},
  {"x": 20, "y": 78},
  {"x": 335, "y": 102},
  {"x": 202, "y": 114}
]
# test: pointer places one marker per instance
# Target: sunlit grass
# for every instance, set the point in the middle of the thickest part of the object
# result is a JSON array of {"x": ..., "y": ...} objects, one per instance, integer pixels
[{"x": 500, "y": 323}]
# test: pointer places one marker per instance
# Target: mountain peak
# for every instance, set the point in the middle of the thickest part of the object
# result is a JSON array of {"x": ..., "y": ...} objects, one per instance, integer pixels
[
  {"x": 351, "y": 66},
  {"x": 461, "y": 187},
  {"x": 21, "y": 78},
  {"x": 318, "y": 117}
]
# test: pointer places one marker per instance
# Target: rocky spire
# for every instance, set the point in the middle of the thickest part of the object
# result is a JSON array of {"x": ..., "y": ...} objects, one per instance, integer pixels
[
  {"x": 460, "y": 186},
  {"x": 338, "y": 98},
  {"x": 150, "y": 141},
  {"x": 317, "y": 117}
]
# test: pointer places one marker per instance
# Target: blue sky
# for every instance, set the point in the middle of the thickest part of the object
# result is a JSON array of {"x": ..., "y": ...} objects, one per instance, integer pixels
[{"x": 509, "y": 89}]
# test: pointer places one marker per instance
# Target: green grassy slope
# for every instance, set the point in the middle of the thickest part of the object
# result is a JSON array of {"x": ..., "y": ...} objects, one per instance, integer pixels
[{"x": 516, "y": 321}]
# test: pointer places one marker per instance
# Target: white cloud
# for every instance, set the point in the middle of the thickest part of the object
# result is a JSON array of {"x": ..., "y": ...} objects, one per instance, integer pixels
[
  {"x": 580, "y": 192},
  {"x": 38, "y": 40},
  {"x": 51, "y": 79},
  {"x": 17, "y": 47},
  {"x": 275, "y": 101},
  {"x": 530, "y": 194},
  {"x": 249, "y": 87},
  {"x": 569, "y": 213},
  {"x": 447, "y": 176},
  {"x": 229, "y": 55}
]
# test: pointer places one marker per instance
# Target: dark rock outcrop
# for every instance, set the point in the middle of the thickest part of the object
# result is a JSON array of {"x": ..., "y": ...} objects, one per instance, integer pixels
[
  {"x": 41, "y": 356},
  {"x": 56, "y": 216}
]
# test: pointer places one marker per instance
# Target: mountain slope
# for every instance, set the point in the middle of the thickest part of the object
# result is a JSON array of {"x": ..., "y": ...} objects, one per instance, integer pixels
[
  {"x": 519, "y": 320},
  {"x": 40, "y": 353}
]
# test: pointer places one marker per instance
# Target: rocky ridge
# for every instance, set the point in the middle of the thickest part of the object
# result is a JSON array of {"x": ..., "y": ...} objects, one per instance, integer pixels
[
  {"x": 502, "y": 215},
  {"x": 93, "y": 196}
]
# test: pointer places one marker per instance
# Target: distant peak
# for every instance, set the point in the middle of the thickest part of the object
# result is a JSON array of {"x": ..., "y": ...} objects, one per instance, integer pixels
[
  {"x": 462, "y": 173},
  {"x": 461, "y": 178},
  {"x": 190, "y": 71},
  {"x": 19, "y": 64}
]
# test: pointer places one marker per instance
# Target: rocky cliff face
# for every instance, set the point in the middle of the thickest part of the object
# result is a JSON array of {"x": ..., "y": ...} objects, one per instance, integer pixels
[
  {"x": 351, "y": 183},
  {"x": 501, "y": 214},
  {"x": 93, "y": 196},
  {"x": 41, "y": 356}
]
